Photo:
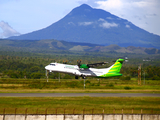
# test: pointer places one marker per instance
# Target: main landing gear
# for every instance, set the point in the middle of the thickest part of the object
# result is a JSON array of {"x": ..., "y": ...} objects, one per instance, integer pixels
[{"x": 47, "y": 72}]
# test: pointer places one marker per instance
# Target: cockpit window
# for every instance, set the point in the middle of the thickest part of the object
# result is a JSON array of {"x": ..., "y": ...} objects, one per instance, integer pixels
[{"x": 52, "y": 64}]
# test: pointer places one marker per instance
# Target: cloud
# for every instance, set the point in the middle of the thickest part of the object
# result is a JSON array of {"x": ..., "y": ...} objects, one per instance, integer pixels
[
  {"x": 71, "y": 23},
  {"x": 110, "y": 4},
  {"x": 89, "y": 2},
  {"x": 30, "y": 15},
  {"x": 7, "y": 30},
  {"x": 106, "y": 24},
  {"x": 110, "y": 18},
  {"x": 26, "y": 17},
  {"x": 127, "y": 26},
  {"x": 85, "y": 23},
  {"x": 101, "y": 19},
  {"x": 139, "y": 12},
  {"x": 101, "y": 22}
]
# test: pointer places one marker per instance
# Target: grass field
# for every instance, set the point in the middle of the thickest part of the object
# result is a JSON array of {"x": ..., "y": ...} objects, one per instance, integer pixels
[
  {"x": 73, "y": 86},
  {"x": 38, "y": 105},
  {"x": 78, "y": 105}
]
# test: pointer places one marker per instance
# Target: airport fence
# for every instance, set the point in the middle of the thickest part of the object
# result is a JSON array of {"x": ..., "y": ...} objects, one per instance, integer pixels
[{"x": 74, "y": 111}]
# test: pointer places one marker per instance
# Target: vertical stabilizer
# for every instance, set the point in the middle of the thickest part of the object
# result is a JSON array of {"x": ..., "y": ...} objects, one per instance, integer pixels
[{"x": 114, "y": 69}]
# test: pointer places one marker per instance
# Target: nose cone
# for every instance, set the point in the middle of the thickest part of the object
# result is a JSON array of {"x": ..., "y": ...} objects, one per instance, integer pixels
[{"x": 47, "y": 67}]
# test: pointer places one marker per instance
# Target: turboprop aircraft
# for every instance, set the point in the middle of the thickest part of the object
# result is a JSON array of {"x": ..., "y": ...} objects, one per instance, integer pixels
[{"x": 86, "y": 70}]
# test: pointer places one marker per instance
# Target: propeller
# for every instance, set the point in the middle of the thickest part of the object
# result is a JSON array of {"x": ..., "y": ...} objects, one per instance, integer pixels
[
  {"x": 79, "y": 63},
  {"x": 64, "y": 62},
  {"x": 85, "y": 66},
  {"x": 97, "y": 64}
]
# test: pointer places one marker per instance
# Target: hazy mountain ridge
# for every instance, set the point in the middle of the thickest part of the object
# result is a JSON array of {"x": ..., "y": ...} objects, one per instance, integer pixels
[
  {"x": 51, "y": 45},
  {"x": 88, "y": 25}
]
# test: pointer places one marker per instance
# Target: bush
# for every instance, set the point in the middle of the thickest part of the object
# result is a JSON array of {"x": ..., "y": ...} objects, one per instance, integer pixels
[
  {"x": 36, "y": 75},
  {"x": 98, "y": 84},
  {"x": 127, "y": 88},
  {"x": 35, "y": 69},
  {"x": 155, "y": 77},
  {"x": 92, "y": 84},
  {"x": 88, "y": 82},
  {"x": 15, "y": 74},
  {"x": 73, "y": 84},
  {"x": 111, "y": 85},
  {"x": 37, "y": 84},
  {"x": 67, "y": 76},
  {"x": 125, "y": 78}
]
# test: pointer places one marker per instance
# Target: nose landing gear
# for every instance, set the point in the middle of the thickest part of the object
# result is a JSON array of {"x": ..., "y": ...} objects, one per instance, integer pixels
[
  {"x": 76, "y": 77},
  {"x": 84, "y": 78}
]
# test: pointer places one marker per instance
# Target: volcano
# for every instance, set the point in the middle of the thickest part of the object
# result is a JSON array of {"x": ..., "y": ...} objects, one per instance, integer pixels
[{"x": 89, "y": 25}]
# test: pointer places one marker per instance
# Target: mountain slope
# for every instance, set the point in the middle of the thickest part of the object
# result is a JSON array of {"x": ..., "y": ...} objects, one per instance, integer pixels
[
  {"x": 50, "y": 46},
  {"x": 89, "y": 25}
]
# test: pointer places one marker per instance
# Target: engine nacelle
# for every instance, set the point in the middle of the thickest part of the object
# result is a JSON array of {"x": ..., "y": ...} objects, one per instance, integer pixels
[{"x": 84, "y": 66}]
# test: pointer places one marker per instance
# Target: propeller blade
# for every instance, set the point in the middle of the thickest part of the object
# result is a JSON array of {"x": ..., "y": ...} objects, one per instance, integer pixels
[{"x": 96, "y": 64}]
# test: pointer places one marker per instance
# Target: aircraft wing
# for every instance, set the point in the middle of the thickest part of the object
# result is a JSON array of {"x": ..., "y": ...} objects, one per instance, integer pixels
[{"x": 97, "y": 64}]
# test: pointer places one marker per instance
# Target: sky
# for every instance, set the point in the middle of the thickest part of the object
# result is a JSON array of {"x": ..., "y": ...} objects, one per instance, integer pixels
[{"x": 24, "y": 16}]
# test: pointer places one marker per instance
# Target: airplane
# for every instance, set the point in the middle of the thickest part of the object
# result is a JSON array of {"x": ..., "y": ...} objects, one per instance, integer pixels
[{"x": 86, "y": 70}]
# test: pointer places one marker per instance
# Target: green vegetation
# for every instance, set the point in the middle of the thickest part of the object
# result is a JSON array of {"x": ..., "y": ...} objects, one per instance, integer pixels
[
  {"x": 92, "y": 85},
  {"x": 109, "y": 104},
  {"x": 31, "y": 65},
  {"x": 63, "y": 47},
  {"x": 22, "y": 72},
  {"x": 127, "y": 88}
]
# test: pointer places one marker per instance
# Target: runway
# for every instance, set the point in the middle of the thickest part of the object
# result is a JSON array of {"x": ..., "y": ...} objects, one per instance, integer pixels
[{"x": 79, "y": 95}]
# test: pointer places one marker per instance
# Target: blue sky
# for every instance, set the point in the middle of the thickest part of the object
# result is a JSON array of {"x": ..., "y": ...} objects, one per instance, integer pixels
[{"x": 24, "y": 16}]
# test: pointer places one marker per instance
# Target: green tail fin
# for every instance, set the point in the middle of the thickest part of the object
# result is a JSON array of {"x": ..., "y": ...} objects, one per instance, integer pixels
[
  {"x": 114, "y": 69},
  {"x": 117, "y": 66}
]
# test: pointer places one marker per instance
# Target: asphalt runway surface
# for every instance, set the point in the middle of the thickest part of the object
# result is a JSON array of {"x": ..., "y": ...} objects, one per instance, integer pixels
[{"x": 79, "y": 95}]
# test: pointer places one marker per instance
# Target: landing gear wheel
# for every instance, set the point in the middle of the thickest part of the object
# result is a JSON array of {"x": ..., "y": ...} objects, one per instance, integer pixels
[
  {"x": 76, "y": 77},
  {"x": 84, "y": 77}
]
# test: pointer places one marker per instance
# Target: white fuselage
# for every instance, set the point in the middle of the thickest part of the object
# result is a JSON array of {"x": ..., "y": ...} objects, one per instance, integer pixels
[{"x": 75, "y": 70}]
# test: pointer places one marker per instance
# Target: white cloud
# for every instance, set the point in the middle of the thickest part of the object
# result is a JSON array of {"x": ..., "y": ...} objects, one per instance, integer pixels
[
  {"x": 101, "y": 22},
  {"x": 71, "y": 23},
  {"x": 143, "y": 13},
  {"x": 108, "y": 25},
  {"x": 142, "y": 3},
  {"x": 110, "y": 18},
  {"x": 85, "y": 23},
  {"x": 105, "y": 24},
  {"x": 7, "y": 30},
  {"x": 110, "y": 4},
  {"x": 30, "y": 15},
  {"x": 127, "y": 26},
  {"x": 101, "y": 19}
]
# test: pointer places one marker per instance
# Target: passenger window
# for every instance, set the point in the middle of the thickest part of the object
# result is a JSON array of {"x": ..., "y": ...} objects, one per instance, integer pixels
[{"x": 52, "y": 64}]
